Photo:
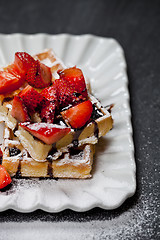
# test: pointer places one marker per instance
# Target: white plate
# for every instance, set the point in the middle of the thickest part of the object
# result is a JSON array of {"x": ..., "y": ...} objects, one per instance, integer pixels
[{"x": 113, "y": 181}]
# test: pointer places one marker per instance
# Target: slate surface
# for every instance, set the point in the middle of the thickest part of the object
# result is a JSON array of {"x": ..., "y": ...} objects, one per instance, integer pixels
[{"x": 135, "y": 24}]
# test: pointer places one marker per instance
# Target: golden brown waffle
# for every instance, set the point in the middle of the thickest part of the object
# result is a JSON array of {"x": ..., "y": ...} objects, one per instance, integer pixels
[
  {"x": 65, "y": 164},
  {"x": 89, "y": 134},
  {"x": 76, "y": 138},
  {"x": 77, "y": 163}
]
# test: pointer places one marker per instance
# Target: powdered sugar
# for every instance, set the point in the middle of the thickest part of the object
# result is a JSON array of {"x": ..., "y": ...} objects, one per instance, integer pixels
[{"x": 136, "y": 223}]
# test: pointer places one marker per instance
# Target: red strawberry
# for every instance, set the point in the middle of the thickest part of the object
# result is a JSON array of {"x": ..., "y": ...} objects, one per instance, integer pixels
[
  {"x": 9, "y": 82},
  {"x": 32, "y": 99},
  {"x": 66, "y": 94},
  {"x": 12, "y": 68},
  {"x": 23, "y": 61},
  {"x": 39, "y": 75},
  {"x": 75, "y": 78},
  {"x": 50, "y": 93},
  {"x": 48, "y": 112},
  {"x": 19, "y": 110},
  {"x": 5, "y": 178},
  {"x": 48, "y": 133},
  {"x": 78, "y": 115}
]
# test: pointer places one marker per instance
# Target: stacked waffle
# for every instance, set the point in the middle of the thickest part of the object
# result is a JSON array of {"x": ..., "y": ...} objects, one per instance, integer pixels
[{"x": 71, "y": 155}]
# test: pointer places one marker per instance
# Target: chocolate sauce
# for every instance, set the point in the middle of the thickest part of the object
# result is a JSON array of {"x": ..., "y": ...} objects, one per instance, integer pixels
[
  {"x": 96, "y": 129},
  {"x": 76, "y": 136},
  {"x": 1, "y": 156},
  {"x": 13, "y": 151},
  {"x": 96, "y": 113},
  {"x": 109, "y": 107},
  {"x": 74, "y": 151},
  {"x": 51, "y": 152},
  {"x": 7, "y": 99},
  {"x": 7, "y": 189},
  {"x": 50, "y": 169},
  {"x": 18, "y": 173}
]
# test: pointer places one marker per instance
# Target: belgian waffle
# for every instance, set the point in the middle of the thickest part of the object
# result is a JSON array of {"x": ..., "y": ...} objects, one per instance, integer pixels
[
  {"x": 76, "y": 163},
  {"x": 72, "y": 155},
  {"x": 99, "y": 125}
]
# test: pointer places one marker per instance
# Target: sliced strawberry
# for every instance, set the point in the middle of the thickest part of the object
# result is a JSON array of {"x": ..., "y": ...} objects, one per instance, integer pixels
[
  {"x": 9, "y": 82},
  {"x": 66, "y": 94},
  {"x": 32, "y": 99},
  {"x": 23, "y": 61},
  {"x": 78, "y": 115},
  {"x": 12, "y": 68},
  {"x": 50, "y": 93},
  {"x": 5, "y": 178},
  {"x": 45, "y": 75},
  {"x": 39, "y": 75},
  {"x": 19, "y": 110},
  {"x": 48, "y": 112},
  {"x": 48, "y": 133},
  {"x": 75, "y": 78}
]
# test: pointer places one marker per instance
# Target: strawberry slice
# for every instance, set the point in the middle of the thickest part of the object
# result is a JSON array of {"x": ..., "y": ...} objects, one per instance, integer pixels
[
  {"x": 19, "y": 110},
  {"x": 39, "y": 75},
  {"x": 5, "y": 178},
  {"x": 50, "y": 93},
  {"x": 9, "y": 82},
  {"x": 75, "y": 78},
  {"x": 48, "y": 112},
  {"x": 32, "y": 99},
  {"x": 12, "y": 68},
  {"x": 78, "y": 115},
  {"x": 23, "y": 61},
  {"x": 48, "y": 133},
  {"x": 67, "y": 94}
]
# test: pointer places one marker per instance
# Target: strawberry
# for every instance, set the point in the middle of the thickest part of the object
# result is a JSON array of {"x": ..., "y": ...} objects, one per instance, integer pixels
[
  {"x": 48, "y": 133},
  {"x": 75, "y": 78},
  {"x": 5, "y": 178},
  {"x": 23, "y": 61},
  {"x": 78, "y": 115},
  {"x": 19, "y": 110},
  {"x": 66, "y": 94},
  {"x": 12, "y": 68},
  {"x": 48, "y": 112},
  {"x": 32, "y": 99},
  {"x": 50, "y": 93},
  {"x": 39, "y": 75},
  {"x": 9, "y": 82}
]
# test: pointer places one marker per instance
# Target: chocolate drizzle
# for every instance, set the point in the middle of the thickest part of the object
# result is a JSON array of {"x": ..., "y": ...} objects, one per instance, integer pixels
[
  {"x": 109, "y": 107},
  {"x": 13, "y": 151},
  {"x": 18, "y": 173},
  {"x": 76, "y": 136},
  {"x": 96, "y": 113},
  {"x": 7, "y": 99},
  {"x": 96, "y": 129},
  {"x": 50, "y": 169}
]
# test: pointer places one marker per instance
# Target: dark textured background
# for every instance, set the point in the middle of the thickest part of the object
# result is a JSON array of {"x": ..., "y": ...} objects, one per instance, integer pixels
[{"x": 136, "y": 25}]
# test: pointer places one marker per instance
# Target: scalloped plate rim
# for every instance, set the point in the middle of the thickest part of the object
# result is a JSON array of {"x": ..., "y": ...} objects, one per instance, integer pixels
[{"x": 69, "y": 206}]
